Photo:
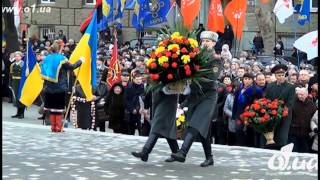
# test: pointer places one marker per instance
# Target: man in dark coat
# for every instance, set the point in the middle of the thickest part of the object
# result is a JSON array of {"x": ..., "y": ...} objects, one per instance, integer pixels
[
  {"x": 163, "y": 123},
  {"x": 201, "y": 105},
  {"x": 282, "y": 90},
  {"x": 258, "y": 43}
]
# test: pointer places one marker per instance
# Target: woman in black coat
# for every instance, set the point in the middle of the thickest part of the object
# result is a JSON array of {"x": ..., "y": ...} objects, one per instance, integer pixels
[{"x": 115, "y": 108}]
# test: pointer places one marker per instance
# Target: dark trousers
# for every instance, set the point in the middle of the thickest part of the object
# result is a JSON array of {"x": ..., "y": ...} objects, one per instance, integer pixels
[
  {"x": 246, "y": 138},
  {"x": 206, "y": 142},
  {"x": 220, "y": 129},
  {"x": 132, "y": 126},
  {"x": 231, "y": 138},
  {"x": 101, "y": 125},
  {"x": 300, "y": 144}
]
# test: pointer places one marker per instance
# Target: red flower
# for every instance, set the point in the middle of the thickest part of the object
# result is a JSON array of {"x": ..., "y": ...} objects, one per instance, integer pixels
[
  {"x": 238, "y": 122},
  {"x": 196, "y": 49},
  {"x": 256, "y": 106},
  {"x": 166, "y": 65},
  {"x": 153, "y": 55},
  {"x": 153, "y": 65},
  {"x": 196, "y": 67},
  {"x": 184, "y": 50},
  {"x": 168, "y": 53},
  {"x": 154, "y": 76},
  {"x": 159, "y": 55},
  {"x": 170, "y": 76},
  {"x": 274, "y": 112},
  {"x": 165, "y": 42},
  {"x": 266, "y": 116},
  {"x": 188, "y": 72},
  {"x": 251, "y": 114},
  {"x": 192, "y": 55},
  {"x": 174, "y": 49},
  {"x": 286, "y": 109},
  {"x": 285, "y": 114},
  {"x": 247, "y": 108},
  {"x": 261, "y": 120},
  {"x": 187, "y": 67},
  {"x": 186, "y": 42},
  {"x": 174, "y": 65},
  {"x": 263, "y": 110},
  {"x": 174, "y": 56}
]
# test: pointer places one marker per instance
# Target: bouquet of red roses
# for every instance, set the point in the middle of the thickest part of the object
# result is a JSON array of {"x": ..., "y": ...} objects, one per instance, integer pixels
[
  {"x": 177, "y": 59},
  {"x": 263, "y": 115}
]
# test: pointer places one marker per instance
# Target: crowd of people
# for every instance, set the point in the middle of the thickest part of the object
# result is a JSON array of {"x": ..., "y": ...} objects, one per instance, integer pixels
[{"x": 128, "y": 107}]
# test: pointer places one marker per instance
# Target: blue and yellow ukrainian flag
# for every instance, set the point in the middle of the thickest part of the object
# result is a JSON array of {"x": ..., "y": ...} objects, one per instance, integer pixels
[
  {"x": 104, "y": 14},
  {"x": 31, "y": 82},
  {"x": 158, "y": 15},
  {"x": 304, "y": 13},
  {"x": 138, "y": 15},
  {"x": 87, "y": 48}
]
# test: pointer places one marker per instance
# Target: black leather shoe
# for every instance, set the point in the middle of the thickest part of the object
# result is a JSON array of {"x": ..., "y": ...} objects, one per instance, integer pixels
[
  {"x": 179, "y": 156},
  {"x": 20, "y": 116},
  {"x": 143, "y": 156},
  {"x": 15, "y": 116},
  {"x": 207, "y": 162},
  {"x": 170, "y": 159}
]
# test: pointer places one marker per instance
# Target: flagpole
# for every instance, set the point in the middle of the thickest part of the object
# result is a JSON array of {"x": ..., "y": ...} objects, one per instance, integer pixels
[{"x": 295, "y": 37}]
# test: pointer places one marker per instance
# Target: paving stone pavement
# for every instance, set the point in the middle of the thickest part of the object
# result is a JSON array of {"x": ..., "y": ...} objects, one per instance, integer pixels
[{"x": 31, "y": 151}]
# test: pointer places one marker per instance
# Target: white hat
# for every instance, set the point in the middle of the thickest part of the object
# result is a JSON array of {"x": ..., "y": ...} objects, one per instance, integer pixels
[{"x": 209, "y": 35}]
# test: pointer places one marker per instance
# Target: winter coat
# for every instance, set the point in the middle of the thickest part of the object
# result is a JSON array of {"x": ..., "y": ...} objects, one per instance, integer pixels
[
  {"x": 133, "y": 91},
  {"x": 313, "y": 126},
  {"x": 227, "y": 109}
]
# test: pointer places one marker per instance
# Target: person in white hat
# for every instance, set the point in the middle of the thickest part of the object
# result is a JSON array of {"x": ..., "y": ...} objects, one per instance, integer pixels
[{"x": 201, "y": 105}]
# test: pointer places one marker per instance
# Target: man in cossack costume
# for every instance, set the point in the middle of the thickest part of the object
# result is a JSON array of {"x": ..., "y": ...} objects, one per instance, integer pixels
[
  {"x": 201, "y": 105},
  {"x": 282, "y": 90},
  {"x": 15, "y": 74},
  {"x": 54, "y": 70}
]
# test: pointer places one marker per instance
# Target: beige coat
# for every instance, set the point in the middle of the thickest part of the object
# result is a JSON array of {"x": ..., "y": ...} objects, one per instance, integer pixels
[{"x": 314, "y": 125}]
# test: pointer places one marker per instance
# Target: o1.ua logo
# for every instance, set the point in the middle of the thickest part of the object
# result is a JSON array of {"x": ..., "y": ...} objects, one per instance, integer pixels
[{"x": 281, "y": 161}]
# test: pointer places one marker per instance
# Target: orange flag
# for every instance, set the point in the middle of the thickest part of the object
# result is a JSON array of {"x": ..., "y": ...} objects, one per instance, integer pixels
[
  {"x": 264, "y": 1},
  {"x": 235, "y": 12},
  {"x": 114, "y": 72},
  {"x": 215, "y": 18},
  {"x": 189, "y": 11}
]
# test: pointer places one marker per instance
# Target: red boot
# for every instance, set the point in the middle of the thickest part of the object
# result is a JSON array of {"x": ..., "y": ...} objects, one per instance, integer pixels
[
  {"x": 52, "y": 118},
  {"x": 58, "y": 123}
]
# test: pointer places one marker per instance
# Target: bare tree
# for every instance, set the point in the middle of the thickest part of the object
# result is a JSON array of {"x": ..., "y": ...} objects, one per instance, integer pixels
[{"x": 266, "y": 23}]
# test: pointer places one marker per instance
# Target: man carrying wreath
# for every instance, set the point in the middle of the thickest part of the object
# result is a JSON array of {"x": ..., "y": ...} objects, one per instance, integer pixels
[
  {"x": 281, "y": 90},
  {"x": 201, "y": 104}
]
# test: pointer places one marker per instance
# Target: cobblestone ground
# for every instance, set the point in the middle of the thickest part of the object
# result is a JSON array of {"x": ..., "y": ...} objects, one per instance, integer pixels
[{"x": 31, "y": 151}]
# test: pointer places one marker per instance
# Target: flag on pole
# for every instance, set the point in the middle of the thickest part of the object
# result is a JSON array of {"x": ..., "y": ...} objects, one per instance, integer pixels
[
  {"x": 104, "y": 15},
  {"x": 31, "y": 82},
  {"x": 235, "y": 12},
  {"x": 120, "y": 7},
  {"x": 283, "y": 9},
  {"x": 190, "y": 10},
  {"x": 157, "y": 13},
  {"x": 138, "y": 15},
  {"x": 215, "y": 17},
  {"x": 87, "y": 48},
  {"x": 17, "y": 5},
  {"x": 304, "y": 12},
  {"x": 114, "y": 72},
  {"x": 308, "y": 43},
  {"x": 130, "y": 4}
]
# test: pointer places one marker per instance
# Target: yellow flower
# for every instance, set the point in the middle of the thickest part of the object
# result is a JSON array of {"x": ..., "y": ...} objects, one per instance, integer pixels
[
  {"x": 149, "y": 61},
  {"x": 163, "y": 59},
  {"x": 171, "y": 46},
  {"x": 161, "y": 44},
  {"x": 185, "y": 59},
  {"x": 176, "y": 35},
  {"x": 193, "y": 42},
  {"x": 178, "y": 123},
  {"x": 160, "y": 50},
  {"x": 181, "y": 118}
]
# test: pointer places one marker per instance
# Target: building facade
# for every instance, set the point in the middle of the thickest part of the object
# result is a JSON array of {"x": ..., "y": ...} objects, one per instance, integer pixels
[{"x": 47, "y": 17}]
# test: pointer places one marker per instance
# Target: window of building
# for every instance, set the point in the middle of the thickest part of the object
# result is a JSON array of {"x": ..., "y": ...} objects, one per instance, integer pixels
[
  {"x": 251, "y": 6},
  {"x": 90, "y": 2},
  {"x": 314, "y": 5},
  {"x": 47, "y": 31},
  {"x": 48, "y": 1}
]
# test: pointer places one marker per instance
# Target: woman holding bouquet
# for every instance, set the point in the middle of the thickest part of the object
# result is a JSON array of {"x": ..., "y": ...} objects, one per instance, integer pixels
[{"x": 201, "y": 105}]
